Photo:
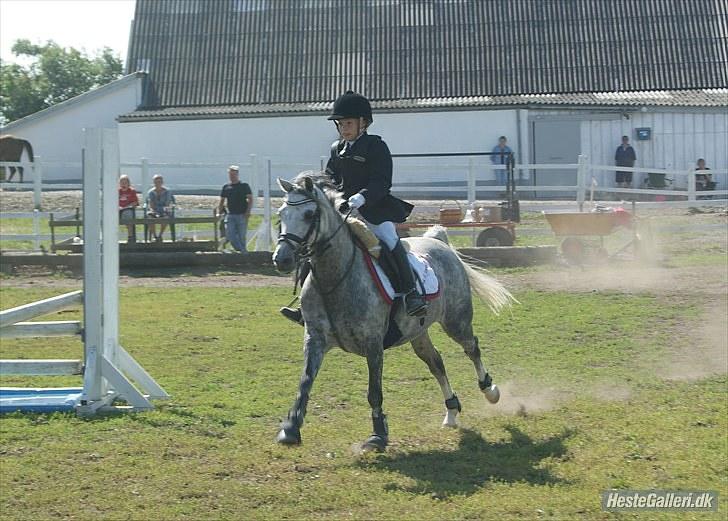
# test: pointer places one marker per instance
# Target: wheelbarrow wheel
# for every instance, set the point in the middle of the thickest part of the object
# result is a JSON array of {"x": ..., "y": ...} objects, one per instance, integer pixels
[
  {"x": 573, "y": 250},
  {"x": 492, "y": 237}
]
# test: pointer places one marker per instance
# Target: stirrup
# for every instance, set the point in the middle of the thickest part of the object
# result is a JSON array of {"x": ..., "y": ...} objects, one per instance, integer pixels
[
  {"x": 293, "y": 314},
  {"x": 415, "y": 304}
]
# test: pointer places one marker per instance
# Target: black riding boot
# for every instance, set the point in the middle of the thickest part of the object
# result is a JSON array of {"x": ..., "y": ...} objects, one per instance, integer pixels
[
  {"x": 414, "y": 302},
  {"x": 294, "y": 314}
]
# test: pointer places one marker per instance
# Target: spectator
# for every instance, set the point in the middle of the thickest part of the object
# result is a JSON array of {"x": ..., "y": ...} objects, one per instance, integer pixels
[
  {"x": 501, "y": 157},
  {"x": 160, "y": 202},
  {"x": 624, "y": 156},
  {"x": 703, "y": 181},
  {"x": 128, "y": 200},
  {"x": 239, "y": 201}
]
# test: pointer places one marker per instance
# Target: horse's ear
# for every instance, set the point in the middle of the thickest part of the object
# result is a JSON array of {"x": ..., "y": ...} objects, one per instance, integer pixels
[
  {"x": 285, "y": 185},
  {"x": 308, "y": 184}
]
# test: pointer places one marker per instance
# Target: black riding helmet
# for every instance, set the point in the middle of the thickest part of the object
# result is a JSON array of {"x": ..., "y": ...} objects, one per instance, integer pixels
[{"x": 351, "y": 105}]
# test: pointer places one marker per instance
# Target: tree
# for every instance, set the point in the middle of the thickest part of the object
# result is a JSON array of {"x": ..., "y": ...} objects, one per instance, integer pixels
[{"x": 55, "y": 74}]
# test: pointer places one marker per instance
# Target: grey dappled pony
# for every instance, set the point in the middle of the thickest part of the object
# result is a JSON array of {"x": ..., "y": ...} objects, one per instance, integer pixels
[{"x": 342, "y": 306}]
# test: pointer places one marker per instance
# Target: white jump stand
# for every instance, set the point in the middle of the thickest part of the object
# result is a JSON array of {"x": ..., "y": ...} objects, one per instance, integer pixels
[{"x": 110, "y": 374}]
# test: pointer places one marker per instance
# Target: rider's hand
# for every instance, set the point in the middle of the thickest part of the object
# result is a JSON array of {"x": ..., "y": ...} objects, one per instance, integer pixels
[
  {"x": 356, "y": 201},
  {"x": 344, "y": 207}
]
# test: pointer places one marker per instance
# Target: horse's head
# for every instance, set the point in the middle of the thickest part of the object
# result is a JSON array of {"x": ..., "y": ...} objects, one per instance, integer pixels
[{"x": 308, "y": 217}]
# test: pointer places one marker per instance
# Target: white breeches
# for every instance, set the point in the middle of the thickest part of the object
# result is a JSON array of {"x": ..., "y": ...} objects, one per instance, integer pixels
[{"x": 385, "y": 232}]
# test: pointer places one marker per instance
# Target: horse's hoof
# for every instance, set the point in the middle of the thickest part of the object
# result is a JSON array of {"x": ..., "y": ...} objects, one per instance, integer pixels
[
  {"x": 492, "y": 393},
  {"x": 374, "y": 443},
  {"x": 450, "y": 420},
  {"x": 288, "y": 437}
]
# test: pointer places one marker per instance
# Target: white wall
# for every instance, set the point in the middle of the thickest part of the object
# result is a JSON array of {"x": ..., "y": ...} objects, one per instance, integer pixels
[
  {"x": 56, "y": 133},
  {"x": 297, "y": 143},
  {"x": 679, "y": 138}
]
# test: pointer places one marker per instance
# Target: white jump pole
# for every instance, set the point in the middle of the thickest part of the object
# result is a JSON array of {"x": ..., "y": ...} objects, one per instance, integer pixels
[
  {"x": 110, "y": 242},
  {"x": 106, "y": 360},
  {"x": 93, "y": 390}
]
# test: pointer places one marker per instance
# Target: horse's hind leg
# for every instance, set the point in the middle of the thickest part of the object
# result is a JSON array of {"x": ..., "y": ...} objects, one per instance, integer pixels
[
  {"x": 426, "y": 351},
  {"x": 461, "y": 330}
]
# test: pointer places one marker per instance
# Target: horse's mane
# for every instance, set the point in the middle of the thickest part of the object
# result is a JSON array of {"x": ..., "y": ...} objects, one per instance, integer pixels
[{"x": 323, "y": 181}]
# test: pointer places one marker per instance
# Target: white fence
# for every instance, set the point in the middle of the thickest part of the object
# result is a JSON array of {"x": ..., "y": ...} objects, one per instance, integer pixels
[{"x": 471, "y": 177}]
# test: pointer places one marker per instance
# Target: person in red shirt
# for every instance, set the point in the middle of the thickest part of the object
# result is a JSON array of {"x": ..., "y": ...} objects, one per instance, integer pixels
[{"x": 128, "y": 200}]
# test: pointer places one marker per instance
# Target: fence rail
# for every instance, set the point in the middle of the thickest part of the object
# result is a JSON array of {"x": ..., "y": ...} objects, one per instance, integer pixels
[{"x": 466, "y": 180}]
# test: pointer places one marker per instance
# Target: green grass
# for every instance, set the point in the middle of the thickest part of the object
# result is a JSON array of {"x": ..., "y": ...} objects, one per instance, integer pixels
[{"x": 232, "y": 365}]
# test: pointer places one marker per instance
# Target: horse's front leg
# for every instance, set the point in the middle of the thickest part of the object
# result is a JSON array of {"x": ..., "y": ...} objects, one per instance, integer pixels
[
  {"x": 314, "y": 349},
  {"x": 377, "y": 441}
]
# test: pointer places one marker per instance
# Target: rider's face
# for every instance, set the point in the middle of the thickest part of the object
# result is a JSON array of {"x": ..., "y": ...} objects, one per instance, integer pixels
[{"x": 349, "y": 128}]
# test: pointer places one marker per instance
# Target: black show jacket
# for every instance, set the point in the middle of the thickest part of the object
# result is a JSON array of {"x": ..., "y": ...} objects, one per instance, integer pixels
[{"x": 367, "y": 169}]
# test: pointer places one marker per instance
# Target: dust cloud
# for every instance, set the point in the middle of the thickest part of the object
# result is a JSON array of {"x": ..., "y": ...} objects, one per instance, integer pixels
[{"x": 704, "y": 352}]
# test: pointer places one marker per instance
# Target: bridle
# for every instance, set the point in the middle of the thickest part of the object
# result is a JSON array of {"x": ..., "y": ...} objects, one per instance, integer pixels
[
  {"x": 309, "y": 245},
  {"x": 301, "y": 246}
]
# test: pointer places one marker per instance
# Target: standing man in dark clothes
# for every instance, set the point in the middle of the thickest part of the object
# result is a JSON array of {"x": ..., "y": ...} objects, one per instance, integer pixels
[
  {"x": 239, "y": 200},
  {"x": 624, "y": 156},
  {"x": 501, "y": 155}
]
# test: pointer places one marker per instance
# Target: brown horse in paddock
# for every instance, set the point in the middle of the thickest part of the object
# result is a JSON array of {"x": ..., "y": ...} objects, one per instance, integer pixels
[{"x": 11, "y": 149}]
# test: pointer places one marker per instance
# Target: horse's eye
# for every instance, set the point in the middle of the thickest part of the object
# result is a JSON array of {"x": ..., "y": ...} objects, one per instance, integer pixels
[{"x": 308, "y": 216}]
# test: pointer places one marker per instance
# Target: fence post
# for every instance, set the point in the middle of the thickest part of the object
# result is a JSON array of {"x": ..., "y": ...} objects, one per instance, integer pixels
[
  {"x": 691, "y": 185},
  {"x": 37, "y": 182},
  {"x": 581, "y": 176},
  {"x": 145, "y": 178},
  {"x": 471, "y": 181},
  {"x": 36, "y": 229},
  {"x": 254, "y": 175},
  {"x": 263, "y": 243}
]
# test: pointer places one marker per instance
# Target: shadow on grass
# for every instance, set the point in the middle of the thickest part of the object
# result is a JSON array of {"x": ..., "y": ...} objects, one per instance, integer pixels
[{"x": 477, "y": 462}]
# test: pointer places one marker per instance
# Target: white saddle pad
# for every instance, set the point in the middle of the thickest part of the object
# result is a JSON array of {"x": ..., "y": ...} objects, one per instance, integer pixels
[{"x": 428, "y": 285}]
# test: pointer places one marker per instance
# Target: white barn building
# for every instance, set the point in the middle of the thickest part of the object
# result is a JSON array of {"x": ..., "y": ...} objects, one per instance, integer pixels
[{"x": 226, "y": 80}]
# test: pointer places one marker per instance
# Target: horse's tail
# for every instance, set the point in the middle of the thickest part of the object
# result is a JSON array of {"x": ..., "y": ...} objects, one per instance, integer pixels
[
  {"x": 489, "y": 290},
  {"x": 29, "y": 148}
]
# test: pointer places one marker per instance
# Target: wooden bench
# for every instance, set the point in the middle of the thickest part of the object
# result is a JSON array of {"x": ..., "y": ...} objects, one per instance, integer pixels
[{"x": 75, "y": 244}]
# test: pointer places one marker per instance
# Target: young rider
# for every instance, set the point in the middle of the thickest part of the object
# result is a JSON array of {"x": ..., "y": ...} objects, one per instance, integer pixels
[{"x": 361, "y": 165}]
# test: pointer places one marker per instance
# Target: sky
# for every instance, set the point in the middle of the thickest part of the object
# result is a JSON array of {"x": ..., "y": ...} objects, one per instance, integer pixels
[{"x": 83, "y": 24}]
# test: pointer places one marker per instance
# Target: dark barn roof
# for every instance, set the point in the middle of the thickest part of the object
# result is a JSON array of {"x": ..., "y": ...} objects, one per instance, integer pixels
[{"x": 243, "y": 52}]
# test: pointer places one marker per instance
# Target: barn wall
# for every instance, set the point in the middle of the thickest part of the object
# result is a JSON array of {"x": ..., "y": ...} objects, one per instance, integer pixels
[
  {"x": 679, "y": 138},
  {"x": 297, "y": 143},
  {"x": 57, "y": 133}
]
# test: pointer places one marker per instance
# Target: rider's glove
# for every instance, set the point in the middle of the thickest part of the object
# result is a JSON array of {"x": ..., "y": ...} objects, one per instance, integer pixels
[{"x": 356, "y": 201}]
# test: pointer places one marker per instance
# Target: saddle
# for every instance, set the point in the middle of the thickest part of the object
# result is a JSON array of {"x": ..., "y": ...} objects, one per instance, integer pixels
[
  {"x": 383, "y": 269},
  {"x": 379, "y": 251}
]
